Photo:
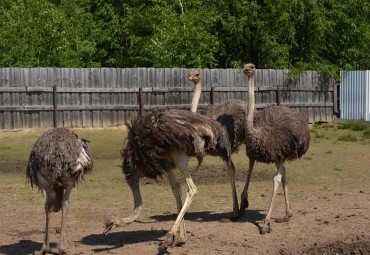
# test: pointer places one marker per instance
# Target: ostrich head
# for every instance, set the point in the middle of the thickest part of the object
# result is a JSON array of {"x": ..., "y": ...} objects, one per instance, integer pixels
[
  {"x": 249, "y": 69},
  {"x": 194, "y": 76},
  {"x": 111, "y": 223}
]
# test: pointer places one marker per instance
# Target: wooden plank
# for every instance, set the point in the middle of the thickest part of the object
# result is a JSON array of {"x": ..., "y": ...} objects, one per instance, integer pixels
[
  {"x": 2, "y": 70},
  {"x": 7, "y": 98},
  {"x": 1, "y": 120}
]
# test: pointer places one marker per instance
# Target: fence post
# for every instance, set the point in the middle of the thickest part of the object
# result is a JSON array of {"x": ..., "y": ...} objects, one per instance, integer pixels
[
  {"x": 141, "y": 102},
  {"x": 55, "y": 103},
  {"x": 335, "y": 98},
  {"x": 212, "y": 95},
  {"x": 278, "y": 100}
]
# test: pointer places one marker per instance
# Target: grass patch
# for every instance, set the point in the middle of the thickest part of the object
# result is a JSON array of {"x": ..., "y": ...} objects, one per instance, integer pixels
[
  {"x": 319, "y": 135},
  {"x": 327, "y": 126},
  {"x": 355, "y": 126},
  {"x": 347, "y": 138},
  {"x": 313, "y": 131},
  {"x": 308, "y": 158},
  {"x": 367, "y": 133},
  {"x": 329, "y": 152},
  {"x": 338, "y": 169}
]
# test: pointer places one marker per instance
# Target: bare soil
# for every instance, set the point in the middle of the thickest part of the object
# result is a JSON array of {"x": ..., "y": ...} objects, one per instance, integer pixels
[{"x": 319, "y": 226}]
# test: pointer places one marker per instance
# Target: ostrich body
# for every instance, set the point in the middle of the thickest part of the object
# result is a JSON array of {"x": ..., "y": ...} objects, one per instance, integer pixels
[
  {"x": 157, "y": 143},
  {"x": 58, "y": 161},
  {"x": 274, "y": 135}
]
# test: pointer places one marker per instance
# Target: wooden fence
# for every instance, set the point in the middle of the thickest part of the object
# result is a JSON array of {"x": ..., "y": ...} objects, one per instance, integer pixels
[{"x": 92, "y": 97}]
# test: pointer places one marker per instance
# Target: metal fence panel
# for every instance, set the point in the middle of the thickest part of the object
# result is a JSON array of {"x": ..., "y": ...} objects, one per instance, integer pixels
[{"x": 354, "y": 95}]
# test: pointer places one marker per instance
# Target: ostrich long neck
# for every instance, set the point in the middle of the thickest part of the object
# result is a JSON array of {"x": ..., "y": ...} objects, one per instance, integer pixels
[
  {"x": 196, "y": 96},
  {"x": 251, "y": 104},
  {"x": 138, "y": 206}
]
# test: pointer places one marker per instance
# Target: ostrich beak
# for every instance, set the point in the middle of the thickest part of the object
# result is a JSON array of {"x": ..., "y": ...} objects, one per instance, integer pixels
[
  {"x": 247, "y": 71},
  {"x": 108, "y": 229}
]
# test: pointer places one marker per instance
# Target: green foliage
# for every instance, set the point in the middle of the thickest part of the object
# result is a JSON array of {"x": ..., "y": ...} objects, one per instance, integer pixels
[{"x": 297, "y": 35}]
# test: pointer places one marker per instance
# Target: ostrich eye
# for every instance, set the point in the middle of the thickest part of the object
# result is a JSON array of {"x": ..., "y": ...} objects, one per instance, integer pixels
[{"x": 197, "y": 74}]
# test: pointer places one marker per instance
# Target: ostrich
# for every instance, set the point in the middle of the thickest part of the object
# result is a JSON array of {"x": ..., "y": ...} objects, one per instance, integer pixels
[
  {"x": 274, "y": 135},
  {"x": 230, "y": 114},
  {"x": 58, "y": 161},
  {"x": 157, "y": 143}
]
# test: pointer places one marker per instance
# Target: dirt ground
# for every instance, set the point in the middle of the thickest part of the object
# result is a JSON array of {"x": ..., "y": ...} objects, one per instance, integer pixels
[
  {"x": 319, "y": 226},
  {"x": 322, "y": 225},
  {"x": 329, "y": 195}
]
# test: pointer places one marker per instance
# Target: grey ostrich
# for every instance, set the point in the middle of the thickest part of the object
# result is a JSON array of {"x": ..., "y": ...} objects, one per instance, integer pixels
[
  {"x": 58, "y": 161},
  {"x": 157, "y": 143},
  {"x": 274, "y": 135}
]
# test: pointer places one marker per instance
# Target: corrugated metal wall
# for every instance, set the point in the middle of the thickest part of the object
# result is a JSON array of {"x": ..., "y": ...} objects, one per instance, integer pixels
[{"x": 355, "y": 95}]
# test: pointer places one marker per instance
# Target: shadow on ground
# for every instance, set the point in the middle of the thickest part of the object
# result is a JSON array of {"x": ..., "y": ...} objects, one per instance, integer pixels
[
  {"x": 252, "y": 216},
  {"x": 208, "y": 216},
  {"x": 24, "y": 247},
  {"x": 119, "y": 239}
]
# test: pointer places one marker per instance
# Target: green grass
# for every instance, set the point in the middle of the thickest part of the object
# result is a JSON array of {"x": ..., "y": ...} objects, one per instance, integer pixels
[
  {"x": 355, "y": 126},
  {"x": 347, "y": 138},
  {"x": 367, "y": 133},
  {"x": 319, "y": 135}
]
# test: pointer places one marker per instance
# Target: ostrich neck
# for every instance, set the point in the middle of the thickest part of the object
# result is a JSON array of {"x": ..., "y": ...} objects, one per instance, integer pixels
[
  {"x": 251, "y": 105},
  {"x": 196, "y": 96},
  {"x": 138, "y": 207}
]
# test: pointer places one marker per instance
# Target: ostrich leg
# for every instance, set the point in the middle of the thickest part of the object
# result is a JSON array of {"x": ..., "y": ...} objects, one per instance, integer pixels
[
  {"x": 277, "y": 179},
  {"x": 231, "y": 168},
  {"x": 288, "y": 210},
  {"x": 176, "y": 189},
  {"x": 45, "y": 246},
  {"x": 65, "y": 207},
  {"x": 181, "y": 161},
  {"x": 244, "y": 197}
]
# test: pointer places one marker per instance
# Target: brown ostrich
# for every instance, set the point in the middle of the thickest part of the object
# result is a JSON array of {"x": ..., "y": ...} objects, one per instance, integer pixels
[
  {"x": 58, "y": 161},
  {"x": 275, "y": 135},
  {"x": 157, "y": 143},
  {"x": 231, "y": 115}
]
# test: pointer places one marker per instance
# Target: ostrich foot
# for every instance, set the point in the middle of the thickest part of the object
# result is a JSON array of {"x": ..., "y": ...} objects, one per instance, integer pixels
[
  {"x": 180, "y": 242},
  {"x": 44, "y": 249},
  {"x": 62, "y": 250},
  {"x": 266, "y": 228},
  {"x": 170, "y": 241},
  {"x": 286, "y": 218},
  {"x": 243, "y": 205}
]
